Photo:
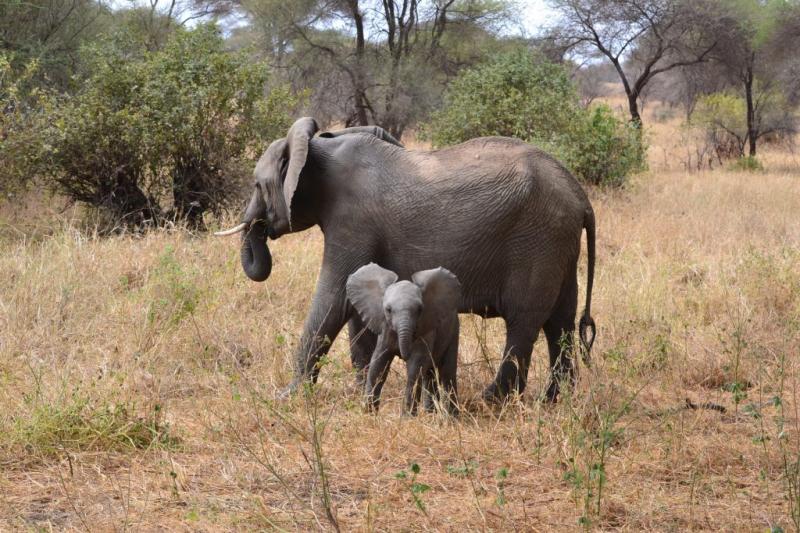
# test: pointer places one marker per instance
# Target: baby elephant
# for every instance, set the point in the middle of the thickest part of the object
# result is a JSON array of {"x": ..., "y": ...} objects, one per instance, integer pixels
[{"x": 418, "y": 321}]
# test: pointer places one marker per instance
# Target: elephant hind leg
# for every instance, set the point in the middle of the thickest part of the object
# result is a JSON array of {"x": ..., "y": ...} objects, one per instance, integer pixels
[
  {"x": 559, "y": 330},
  {"x": 512, "y": 375}
]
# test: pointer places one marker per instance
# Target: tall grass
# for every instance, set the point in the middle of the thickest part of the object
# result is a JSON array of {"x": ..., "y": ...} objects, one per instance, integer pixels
[{"x": 137, "y": 377}]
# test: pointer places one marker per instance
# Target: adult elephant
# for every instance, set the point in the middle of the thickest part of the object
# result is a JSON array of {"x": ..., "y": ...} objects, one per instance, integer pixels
[{"x": 502, "y": 215}]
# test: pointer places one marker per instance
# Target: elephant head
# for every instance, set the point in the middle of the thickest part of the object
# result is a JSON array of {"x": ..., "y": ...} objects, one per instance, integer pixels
[
  {"x": 410, "y": 309},
  {"x": 277, "y": 176},
  {"x": 269, "y": 213}
]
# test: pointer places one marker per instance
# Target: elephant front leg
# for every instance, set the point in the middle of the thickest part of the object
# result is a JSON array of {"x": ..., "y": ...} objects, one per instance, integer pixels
[
  {"x": 326, "y": 318},
  {"x": 378, "y": 370},
  {"x": 415, "y": 377},
  {"x": 447, "y": 377}
]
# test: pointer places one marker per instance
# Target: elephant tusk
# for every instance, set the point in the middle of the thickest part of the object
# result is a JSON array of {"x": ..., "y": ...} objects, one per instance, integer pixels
[{"x": 237, "y": 229}]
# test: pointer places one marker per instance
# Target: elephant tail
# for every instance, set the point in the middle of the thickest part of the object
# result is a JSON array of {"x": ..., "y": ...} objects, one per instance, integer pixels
[{"x": 587, "y": 322}]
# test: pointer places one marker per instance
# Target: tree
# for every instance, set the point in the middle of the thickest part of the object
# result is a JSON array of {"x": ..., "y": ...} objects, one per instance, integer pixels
[
  {"x": 390, "y": 59},
  {"x": 50, "y": 32},
  {"x": 753, "y": 50},
  {"x": 641, "y": 38},
  {"x": 525, "y": 96},
  {"x": 172, "y": 128},
  {"x": 22, "y": 121}
]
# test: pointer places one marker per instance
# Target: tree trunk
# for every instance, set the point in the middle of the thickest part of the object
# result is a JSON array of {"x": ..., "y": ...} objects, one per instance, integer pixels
[
  {"x": 752, "y": 132},
  {"x": 359, "y": 89},
  {"x": 190, "y": 196},
  {"x": 633, "y": 108},
  {"x": 130, "y": 205}
]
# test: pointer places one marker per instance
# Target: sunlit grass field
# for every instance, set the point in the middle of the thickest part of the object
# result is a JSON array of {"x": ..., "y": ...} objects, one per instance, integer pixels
[{"x": 137, "y": 377}]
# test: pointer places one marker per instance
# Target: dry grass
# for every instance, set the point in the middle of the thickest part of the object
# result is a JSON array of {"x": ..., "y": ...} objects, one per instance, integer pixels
[{"x": 137, "y": 376}]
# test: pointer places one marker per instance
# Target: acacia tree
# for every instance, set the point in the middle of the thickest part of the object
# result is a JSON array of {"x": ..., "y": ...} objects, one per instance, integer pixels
[
  {"x": 49, "y": 32},
  {"x": 641, "y": 38},
  {"x": 387, "y": 56},
  {"x": 754, "y": 43}
]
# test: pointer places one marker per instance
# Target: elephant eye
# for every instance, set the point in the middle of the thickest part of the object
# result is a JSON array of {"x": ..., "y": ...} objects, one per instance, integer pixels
[{"x": 388, "y": 308}]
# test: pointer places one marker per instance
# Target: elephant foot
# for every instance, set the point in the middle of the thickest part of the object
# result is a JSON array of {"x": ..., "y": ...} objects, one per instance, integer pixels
[
  {"x": 551, "y": 395},
  {"x": 495, "y": 394},
  {"x": 288, "y": 391}
]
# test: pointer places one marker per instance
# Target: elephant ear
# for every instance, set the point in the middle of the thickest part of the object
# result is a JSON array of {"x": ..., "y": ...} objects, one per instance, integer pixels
[
  {"x": 365, "y": 288},
  {"x": 297, "y": 151},
  {"x": 377, "y": 131},
  {"x": 441, "y": 294}
]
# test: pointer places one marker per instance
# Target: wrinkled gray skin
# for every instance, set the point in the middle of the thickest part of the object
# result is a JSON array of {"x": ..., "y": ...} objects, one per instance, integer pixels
[
  {"x": 502, "y": 215},
  {"x": 417, "y": 320}
]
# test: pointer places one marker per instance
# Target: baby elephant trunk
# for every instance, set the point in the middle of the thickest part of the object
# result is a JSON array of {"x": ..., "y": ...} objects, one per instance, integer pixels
[{"x": 405, "y": 325}]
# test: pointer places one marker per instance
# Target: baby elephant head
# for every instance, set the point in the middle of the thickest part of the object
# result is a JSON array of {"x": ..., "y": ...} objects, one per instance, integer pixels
[{"x": 409, "y": 310}]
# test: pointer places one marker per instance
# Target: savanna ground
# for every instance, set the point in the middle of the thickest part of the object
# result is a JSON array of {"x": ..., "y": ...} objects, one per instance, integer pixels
[{"x": 137, "y": 377}]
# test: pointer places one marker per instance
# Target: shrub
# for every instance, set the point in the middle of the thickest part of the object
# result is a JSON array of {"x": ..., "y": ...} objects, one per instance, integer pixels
[
  {"x": 74, "y": 420},
  {"x": 21, "y": 124},
  {"x": 747, "y": 164},
  {"x": 516, "y": 95},
  {"x": 525, "y": 96},
  {"x": 602, "y": 149},
  {"x": 164, "y": 135},
  {"x": 723, "y": 119}
]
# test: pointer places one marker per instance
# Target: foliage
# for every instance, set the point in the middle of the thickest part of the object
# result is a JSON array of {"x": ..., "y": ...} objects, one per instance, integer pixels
[
  {"x": 524, "y": 96},
  {"x": 79, "y": 420},
  {"x": 753, "y": 51},
  {"x": 384, "y": 62},
  {"x": 50, "y": 33},
  {"x": 747, "y": 164},
  {"x": 641, "y": 39},
  {"x": 722, "y": 117},
  {"x": 516, "y": 95},
  {"x": 22, "y": 115},
  {"x": 602, "y": 149},
  {"x": 175, "y": 126}
]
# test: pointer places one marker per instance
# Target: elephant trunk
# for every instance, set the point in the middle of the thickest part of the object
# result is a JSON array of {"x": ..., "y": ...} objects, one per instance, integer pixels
[
  {"x": 405, "y": 326},
  {"x": 256, "y": 259}
]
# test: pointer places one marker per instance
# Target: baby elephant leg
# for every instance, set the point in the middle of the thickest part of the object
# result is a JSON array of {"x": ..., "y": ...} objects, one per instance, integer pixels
[
  {"x": 447, "y": 377},
  {"x": 431, "y": 386},
  {"x": 377, "y": 372},
  {"x": 416, "y": 370}
]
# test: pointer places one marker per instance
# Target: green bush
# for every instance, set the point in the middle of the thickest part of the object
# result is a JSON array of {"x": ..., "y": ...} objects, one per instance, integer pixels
[
  {"x": 22, "y": 121},
  {"x": 602, "y": 149},
  {"x": 516, "y": 95},
  {"x": 747, "y": 164},
  {"x": 525, "y": 96},
  {"x": 164, "y": 135},
  {"x": 722, "y": 117}
]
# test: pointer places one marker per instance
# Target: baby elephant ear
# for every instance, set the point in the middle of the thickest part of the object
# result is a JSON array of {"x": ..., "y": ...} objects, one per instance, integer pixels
[
  {"x": 441, "y": 294},
  {"x": 365, "y": 288}
]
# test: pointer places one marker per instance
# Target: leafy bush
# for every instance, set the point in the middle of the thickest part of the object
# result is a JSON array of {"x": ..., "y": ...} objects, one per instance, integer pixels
[
  {"x": 602, "y": 149},
  {"x": 157, "y": 136},
  {"x": 525, "y": 96},
  {"x": 747, "y": 164},
  {"x": 723, "y": 119},
  {"x": 75, "y": 420},
  {"x": 516, "y": 95},
  {"x": 21, "y": 124}
]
